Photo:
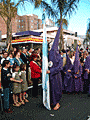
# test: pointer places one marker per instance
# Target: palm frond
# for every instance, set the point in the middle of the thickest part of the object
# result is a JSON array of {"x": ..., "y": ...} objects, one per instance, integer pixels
[
  {"x": 49, "y": 10},
  {"x": 64, "y": 22},
  {"x": 71, "y": 6}
]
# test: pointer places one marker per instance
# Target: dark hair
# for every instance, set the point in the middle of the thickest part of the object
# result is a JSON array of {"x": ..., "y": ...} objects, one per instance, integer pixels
[
  {"x": 37, "y": 48},
  {"x": 81, "y": 49},
  {"x": 5, "y": 62},
  {"x": 79, "y": 54},
  {"x": 3, "y": 51},
  {"x": 33, "y": 56},
  {"x": 22, "y": 66},
  {"x": 63, "y": 51},
  {"x": 15, "y": 65},
  {"x": 81, "y": 60},
  {"x": 10, "y": 52},
  {"x": 68, "y": 50},
  {"x": 29, "y": 48},
  {"x": 89, "y": 52}
]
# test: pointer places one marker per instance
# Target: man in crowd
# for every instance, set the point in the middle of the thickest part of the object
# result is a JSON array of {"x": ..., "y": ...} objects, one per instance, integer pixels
[
  {"x": 5, "y": 54},
  {"x": 25, "y": 60}
]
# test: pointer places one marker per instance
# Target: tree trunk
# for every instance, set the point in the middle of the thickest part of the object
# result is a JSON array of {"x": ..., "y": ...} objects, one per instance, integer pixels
[
  {"x": 9, "y": 33},
  {"x": 9, "y": 29},
  {"x": 61, "y": 44}
]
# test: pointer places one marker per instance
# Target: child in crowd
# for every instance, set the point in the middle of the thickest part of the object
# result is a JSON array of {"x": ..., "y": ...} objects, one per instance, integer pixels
[
  {"x": 5, "y": 80},
  {"x": 24, "y": 85},
  {"x": 11, "y": 59},
  {"x": 16, "y": 85}
]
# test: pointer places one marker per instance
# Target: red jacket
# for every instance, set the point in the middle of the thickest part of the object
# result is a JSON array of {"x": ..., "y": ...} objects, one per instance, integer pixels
[{"x": 35, "y": 70}]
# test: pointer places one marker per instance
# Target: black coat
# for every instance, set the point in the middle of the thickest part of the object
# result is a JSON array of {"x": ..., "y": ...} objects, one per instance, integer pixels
[{"x": 24, "y": 58}]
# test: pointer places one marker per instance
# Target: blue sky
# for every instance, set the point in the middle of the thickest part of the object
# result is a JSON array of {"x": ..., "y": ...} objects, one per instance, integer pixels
[{"x": 77, "y": 22}]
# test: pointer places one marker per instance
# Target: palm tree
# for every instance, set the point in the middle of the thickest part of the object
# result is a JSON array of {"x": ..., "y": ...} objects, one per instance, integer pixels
[
  {"x": 87, "y": 39},
  {"x": 59, "y": 9},
  {"x": 66, "y": 7},
  {"x": 8, "y": 10}
]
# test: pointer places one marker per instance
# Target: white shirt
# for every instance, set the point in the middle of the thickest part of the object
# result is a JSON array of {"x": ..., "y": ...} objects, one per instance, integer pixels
[
  {"x": 2, "y": 60},
  {"x": 72, "y": 60}
]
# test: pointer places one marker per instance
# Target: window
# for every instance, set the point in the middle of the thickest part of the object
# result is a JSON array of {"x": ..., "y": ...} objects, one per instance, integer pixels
[
  {"x": 31, "y": 20},
  {"x": 22, "y": 26},
  {"x": 22, "y": 20},
  {"x": 19, "y": 20},
  {"x": 31, "y": 26}
]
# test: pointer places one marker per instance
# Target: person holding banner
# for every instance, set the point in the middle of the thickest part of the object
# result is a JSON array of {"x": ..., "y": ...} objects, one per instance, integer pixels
[{"x": 55, "y": 65}]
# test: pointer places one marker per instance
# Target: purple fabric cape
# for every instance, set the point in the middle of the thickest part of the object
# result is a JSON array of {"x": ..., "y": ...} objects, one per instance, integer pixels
[
  {"x": 76, "y": 62},
  {"x": 55, "y": 74},
  {"x": 77, "y": 72},
  {"x": 87, "y": 66},
  {"x": 68, "y": 66}
]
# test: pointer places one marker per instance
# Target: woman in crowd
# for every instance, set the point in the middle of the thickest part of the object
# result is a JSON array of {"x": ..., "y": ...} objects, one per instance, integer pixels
[
  {"x": 35, "y": 74},
  {"x": 17, "y": 59}
]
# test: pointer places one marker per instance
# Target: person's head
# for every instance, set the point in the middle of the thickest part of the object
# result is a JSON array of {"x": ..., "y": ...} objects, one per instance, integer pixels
[
  {"x": 89, "y": 52},
  {"x": 84, "y": 55},
  {"x": 68, "y": 51},
  {"x": 62, "y": 52},
  {"x": 71, "y": 54},
  {"x": 24, "y": 50},
  {"x": 5, "y": 54},
  {"x": 3, "y": 51},
  {"x": 6, "y": 63},
  {"x": 15, "y": 49},
  {"x": 30, "y": 50},
  {"x": 18, "y": 55},
  {"x": 16, "y": 67},
  {"x": 81, "y": 50},
  {"x": 20, "y": 50},
  {"x": 38, "y": 50},
  {"x": 23, "y": 67},
  {"x": 34, "y": 57},
  {"x": 10, "y": 54}
]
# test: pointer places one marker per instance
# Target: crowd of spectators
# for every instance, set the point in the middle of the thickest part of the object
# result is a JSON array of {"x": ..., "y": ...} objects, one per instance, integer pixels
[{"x": 20, "y": 68}]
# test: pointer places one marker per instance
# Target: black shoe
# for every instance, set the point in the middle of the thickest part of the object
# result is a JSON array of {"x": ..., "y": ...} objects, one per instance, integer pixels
[{"x": 8, "y": 110}]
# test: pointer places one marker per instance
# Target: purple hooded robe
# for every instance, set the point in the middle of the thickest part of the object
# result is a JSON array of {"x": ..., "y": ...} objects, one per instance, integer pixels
[
  {"x": 68, "y": 78},
  {"x": 86, "y": 75},
  {"x": 77, "y": 71},
  {"x": 55, "y": 74}
]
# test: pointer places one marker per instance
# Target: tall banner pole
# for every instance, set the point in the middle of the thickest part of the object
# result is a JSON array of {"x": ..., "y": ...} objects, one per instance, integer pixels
[{"x": 45, "y": 77}]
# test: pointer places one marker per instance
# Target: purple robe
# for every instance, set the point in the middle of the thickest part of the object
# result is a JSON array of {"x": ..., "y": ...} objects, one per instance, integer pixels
[
  {"x": 55, "y": 74},
  {"x": 77, "y": 71},
  {"x": 78, "y": 81},
  {"x": 86, "y": 66},
  {"x": 86, "y": 75},
  {"x": 68, "y": 78}
]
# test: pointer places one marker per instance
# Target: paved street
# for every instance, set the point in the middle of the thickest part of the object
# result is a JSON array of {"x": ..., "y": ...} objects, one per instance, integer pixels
[{"x": 73, "y": 107}]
